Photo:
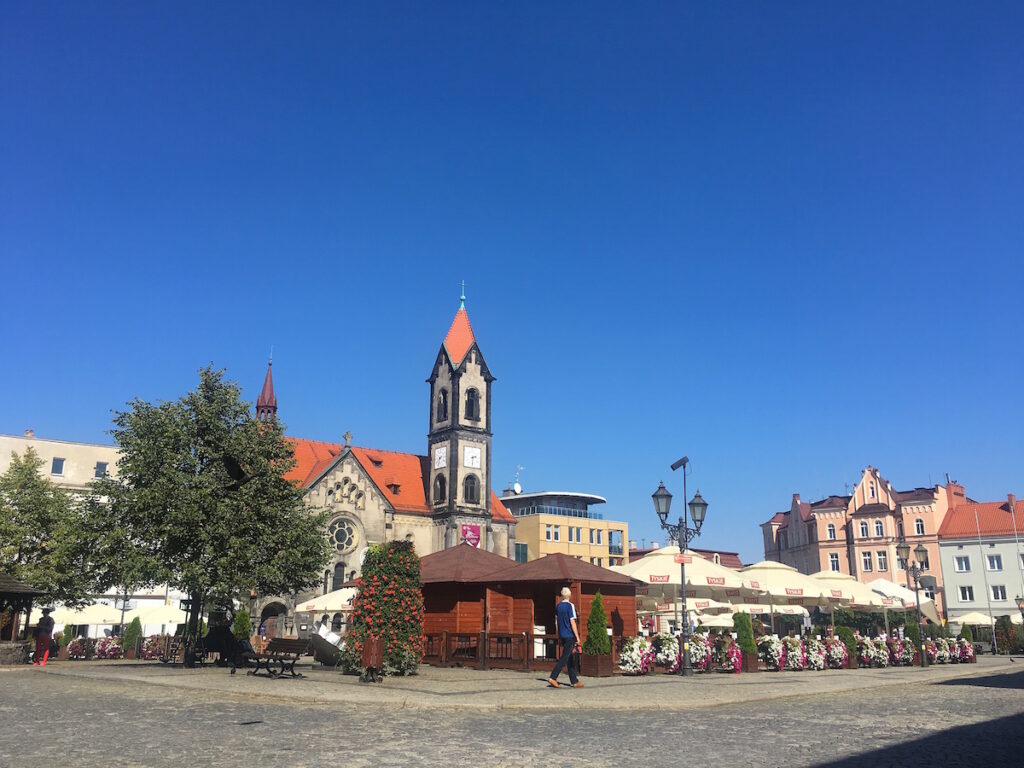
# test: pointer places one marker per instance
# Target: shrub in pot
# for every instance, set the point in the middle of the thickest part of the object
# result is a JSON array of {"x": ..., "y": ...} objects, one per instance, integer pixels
[
  {"x": 597, "y": 648},
  {"x": 132, "y": 634},
  {"x": 845, "y": 634},
  {"x": 745, "y": 640}
]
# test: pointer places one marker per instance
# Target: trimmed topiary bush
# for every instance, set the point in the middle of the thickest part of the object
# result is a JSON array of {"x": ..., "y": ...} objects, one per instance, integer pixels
[
  {"x": 744, "y": 633},
  {"x": 913, "y": 632},
  {"x": 597, "y": 642},
  {"x": 846, "y": 635},
  {"x": 132, "y": 633},
  {"x": 966, "y": 634},
  {"x": 388, "y": 607},
  {"x": 241, "y": 628}
]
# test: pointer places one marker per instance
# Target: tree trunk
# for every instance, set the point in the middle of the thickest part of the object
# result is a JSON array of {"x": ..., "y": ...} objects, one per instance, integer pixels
[{"x": 192, "y": 630}]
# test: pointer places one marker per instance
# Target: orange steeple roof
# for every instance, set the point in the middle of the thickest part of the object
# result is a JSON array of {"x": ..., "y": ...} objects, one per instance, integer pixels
[{"x": 460, "y": 336}]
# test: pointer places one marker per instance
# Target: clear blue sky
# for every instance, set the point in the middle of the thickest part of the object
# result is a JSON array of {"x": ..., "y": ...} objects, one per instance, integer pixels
[{"x": 783, "y": 239}]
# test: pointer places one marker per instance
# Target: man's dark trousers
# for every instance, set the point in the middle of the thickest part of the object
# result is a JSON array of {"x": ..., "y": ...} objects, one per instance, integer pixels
[{"x": 566, "y": 660}]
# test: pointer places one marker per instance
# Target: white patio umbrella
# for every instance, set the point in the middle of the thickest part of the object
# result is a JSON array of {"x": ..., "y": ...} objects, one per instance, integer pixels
[
  {"x": 96, "y": 614},
  {"x": 860, "y": 595},
  {"x": 758, "y": 609},
  {"x": 722, "y": 621},
  {"x": 908, "y": 596},
  {"x": 157, "y": 614},
  {"x": 974, "y": 619},
  {"x": 338, "y": 600},
  {"x": 785, "y": 585}
]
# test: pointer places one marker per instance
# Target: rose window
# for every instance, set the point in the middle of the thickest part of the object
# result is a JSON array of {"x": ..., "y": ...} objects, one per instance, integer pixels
[{"x": 342, "y": 535}]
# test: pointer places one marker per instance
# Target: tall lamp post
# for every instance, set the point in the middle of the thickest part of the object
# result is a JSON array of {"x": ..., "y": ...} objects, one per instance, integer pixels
[
  {"x": 1020, "y": 607},
  {"x": 683, "y": 534},
  {"x": 915, "y": 569}
]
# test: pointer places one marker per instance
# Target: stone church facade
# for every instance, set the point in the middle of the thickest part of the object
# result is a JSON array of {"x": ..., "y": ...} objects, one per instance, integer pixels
[{"x": 437, "y": 500}]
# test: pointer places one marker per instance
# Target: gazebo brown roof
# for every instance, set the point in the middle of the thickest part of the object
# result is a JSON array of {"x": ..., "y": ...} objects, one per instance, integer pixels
[
  {"x": 15, "y": 596},
  {"x": 464, "y": 563},
  {"x": 558, "y": 567}
]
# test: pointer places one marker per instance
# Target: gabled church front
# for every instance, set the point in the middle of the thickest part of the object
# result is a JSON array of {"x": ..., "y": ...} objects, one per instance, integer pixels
[{"x": 436, "y": 501}]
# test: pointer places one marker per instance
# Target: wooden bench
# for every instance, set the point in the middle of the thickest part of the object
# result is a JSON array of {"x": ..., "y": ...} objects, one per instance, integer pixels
[{"x": 282, "y": 652}]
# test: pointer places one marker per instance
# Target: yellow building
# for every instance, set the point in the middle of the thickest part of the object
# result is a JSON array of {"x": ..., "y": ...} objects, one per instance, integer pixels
[{"x": 561, "y": 521}]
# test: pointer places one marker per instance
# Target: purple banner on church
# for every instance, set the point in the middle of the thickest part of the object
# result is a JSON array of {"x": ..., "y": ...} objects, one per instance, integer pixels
[{"x": 471, "y": 534}]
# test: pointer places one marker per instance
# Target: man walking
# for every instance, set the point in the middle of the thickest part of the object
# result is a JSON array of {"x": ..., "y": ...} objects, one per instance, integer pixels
[
  {"x": 44, "y": 633},
  {"x": 569, "y": 637}
]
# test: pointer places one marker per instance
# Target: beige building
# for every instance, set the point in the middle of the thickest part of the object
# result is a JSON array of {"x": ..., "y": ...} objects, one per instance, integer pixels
[
  {"x": 68, "y": 464},
  {"x": 561, "y": 521},
  {"x": 857, "y": 534}
]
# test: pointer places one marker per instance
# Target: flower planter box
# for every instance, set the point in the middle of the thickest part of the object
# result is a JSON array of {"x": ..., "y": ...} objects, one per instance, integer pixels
[
  {"x": 129, "y": 653},
  {"x": 851, "y": 662},
  {"x": 751, "y": 663},
  {"x": 599, "y": 665},
  {"x": 62, "y": 653}
]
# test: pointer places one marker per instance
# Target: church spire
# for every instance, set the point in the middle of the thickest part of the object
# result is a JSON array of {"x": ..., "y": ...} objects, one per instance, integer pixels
[{"x": 266, "y": 404}]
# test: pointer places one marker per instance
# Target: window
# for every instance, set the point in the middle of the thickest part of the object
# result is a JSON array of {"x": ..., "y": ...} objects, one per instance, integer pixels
[
  {"x": 831, "y": 531},
  {"x": 471, "y": 490},
  {"x": 327, "y": 581},
  {"x": 927, "y": 564},
  {"x": 929, "y": 592},
  {"x": 879, "y": 529},
  {"x": 342, "y": 535},
  {"x": 863, "y": 530},
  {"x": 902, "y": 565},
  {"x": 865, "y": 561},
  {"x": 101, "y": 470},
  {"x": 547, "y": 532},
  {"x": 591, "y": 535},
  {"x": 592, "y": 561},
  {"x": 995, "y": 562},
  {"x": 833, "y": 562},
  {"x": 1022, "y": 561},
  {"x": 872, "y": 487},
  {"x": 339, "y": 576},
  {"x": 919, "y": 527},
  {"x": 579, "y": 535},
  {"x": 442, "y": 405},
  {"x": 966, "y": 594},
  {"x": 57, "y": 467},
  {"x": 522, "y": 552},
  {"x": 558, "y": 533},
  {"x": 473, "y": 405},
  {"x": 899, "y": 528},
  {"x": 599, "y": 561},
  {"x": 963, "y": 564},
  {"x": 598, "y": 535},
  {"x": 883, "y": 560},
  {"x": 440, "y": 490},
  {"x": 998, "y": 592}
]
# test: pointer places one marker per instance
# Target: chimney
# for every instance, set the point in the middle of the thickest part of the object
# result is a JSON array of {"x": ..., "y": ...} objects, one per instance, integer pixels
[
  {"x": 796, "y": 498},
  {"x": 30, "y": 433},
  {"x": 1013, "y": 501}
]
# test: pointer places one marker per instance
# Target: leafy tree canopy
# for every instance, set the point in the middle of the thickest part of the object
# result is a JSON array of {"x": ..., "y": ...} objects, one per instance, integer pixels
[
  {"x": 200, "y": 499},
  {"x": 43, "y": 539}
]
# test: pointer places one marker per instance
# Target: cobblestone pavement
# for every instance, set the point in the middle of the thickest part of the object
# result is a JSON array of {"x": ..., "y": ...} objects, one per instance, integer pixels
[{"x": 49, "y": 719}]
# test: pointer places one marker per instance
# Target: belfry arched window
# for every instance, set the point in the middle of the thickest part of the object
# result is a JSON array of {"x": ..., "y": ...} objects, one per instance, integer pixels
[
  {"x": 471, "y": 490},
  {"x": 440, "y": 490},
  {"x": 472, "y": 405},
  {"x": 442, "y": 405}
]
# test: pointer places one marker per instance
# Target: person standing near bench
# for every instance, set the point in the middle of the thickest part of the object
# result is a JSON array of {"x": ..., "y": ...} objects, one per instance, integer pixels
[{"x": 569, "y": 637}]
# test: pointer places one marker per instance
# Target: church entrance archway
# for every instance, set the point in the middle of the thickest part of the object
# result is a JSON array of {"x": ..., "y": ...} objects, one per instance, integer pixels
[{"x": 272, "y": 619}]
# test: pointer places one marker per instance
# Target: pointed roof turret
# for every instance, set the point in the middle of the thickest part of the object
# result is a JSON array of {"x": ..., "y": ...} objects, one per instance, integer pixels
[
  {"x": 266, "y": 404},
  {"x": 460, "y": 335}
]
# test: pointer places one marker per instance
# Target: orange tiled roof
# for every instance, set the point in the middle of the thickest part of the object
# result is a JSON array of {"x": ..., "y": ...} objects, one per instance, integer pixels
[
  {"x": 401, "y": 477},
  {"x": 993, "y": 520},
  {"x": 460, "y": 337}
]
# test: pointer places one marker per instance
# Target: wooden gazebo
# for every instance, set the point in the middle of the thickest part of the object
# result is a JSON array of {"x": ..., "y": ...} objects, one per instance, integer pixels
[
  {"x": 15, "y": 598},
  {"x": 456, "y": 595}
]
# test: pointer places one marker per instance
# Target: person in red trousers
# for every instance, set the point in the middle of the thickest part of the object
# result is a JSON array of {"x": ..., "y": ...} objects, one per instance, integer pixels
[{"x": 44, "y": 633}]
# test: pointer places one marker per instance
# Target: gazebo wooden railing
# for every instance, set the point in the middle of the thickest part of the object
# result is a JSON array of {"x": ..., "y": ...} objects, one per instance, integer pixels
[{"x": 495, "y": 650}]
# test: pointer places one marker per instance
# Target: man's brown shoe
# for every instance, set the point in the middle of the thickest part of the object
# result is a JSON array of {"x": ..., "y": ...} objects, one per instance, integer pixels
[
  {"x": 577, "y": 685},
  {"x": 552, "y": 683}
]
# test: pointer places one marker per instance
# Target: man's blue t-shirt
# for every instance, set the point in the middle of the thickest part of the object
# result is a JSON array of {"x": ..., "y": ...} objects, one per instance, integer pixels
[{"x": 565, "y": 612}]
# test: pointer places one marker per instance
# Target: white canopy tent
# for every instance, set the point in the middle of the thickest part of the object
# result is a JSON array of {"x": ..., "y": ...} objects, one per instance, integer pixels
[{"x": 95, "y": 614}]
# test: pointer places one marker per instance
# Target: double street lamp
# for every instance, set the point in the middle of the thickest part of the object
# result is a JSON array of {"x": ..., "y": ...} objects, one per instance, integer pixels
[
  {"x": 915, "y": 569},
  {"x": 683, "y": 534}
]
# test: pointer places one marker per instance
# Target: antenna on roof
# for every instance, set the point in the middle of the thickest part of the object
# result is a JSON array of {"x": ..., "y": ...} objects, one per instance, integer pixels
[{"x": 516, "y": 487}]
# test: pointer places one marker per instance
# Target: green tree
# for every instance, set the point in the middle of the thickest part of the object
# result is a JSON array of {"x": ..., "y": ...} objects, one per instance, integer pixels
[
  {"x": 597, "y": 642},
  {"x": 913, "y": 632},
  {"x": 43, "y": 540},
  {"x": 200, "y": 499},
  {"x": 242, "y": 625},
  {"x": 744, "y": 632},
  {"x": 132, "y": 633},
  {"x": 966, "y": 634}
]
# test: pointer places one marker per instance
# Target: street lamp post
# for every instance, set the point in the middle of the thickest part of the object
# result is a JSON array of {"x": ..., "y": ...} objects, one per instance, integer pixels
[
  {"x": 1020, "y": 607},
  {"x": 915, "y": 570},
  {"x": 683, "y": 534}
]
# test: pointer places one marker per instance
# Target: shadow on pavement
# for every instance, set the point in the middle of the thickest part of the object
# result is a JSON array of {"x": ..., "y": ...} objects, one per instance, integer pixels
[
  {"x": 1007, "y": 680},
  {"x": 993, "y": 742}
]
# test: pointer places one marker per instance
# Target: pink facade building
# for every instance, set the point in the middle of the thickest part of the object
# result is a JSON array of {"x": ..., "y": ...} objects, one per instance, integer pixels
[{"x": 857, "y": 533}]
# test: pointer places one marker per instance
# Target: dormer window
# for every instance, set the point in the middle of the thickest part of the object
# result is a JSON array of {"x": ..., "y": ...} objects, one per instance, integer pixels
[
  {"x": 442, "y": 405},
  {"x": 473, "y": 405},
  {"x": 440, "y": 490}
]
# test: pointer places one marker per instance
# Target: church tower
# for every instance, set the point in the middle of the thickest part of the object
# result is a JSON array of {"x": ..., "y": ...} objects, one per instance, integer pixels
[
  {"x": 266, "y": 404},
  {"x": 459, "y": 440}
]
